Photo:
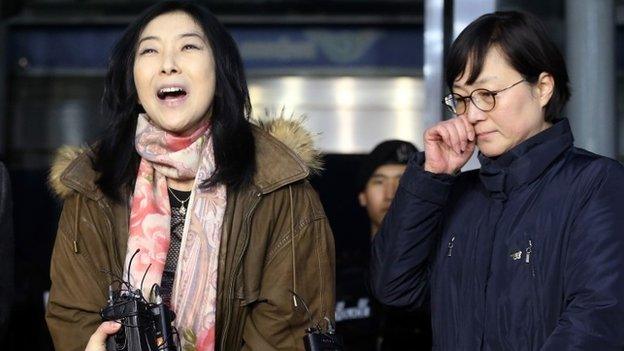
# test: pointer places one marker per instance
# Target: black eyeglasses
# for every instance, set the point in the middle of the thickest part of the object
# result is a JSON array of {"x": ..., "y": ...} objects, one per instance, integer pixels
[{"x": 483, "y": 99}]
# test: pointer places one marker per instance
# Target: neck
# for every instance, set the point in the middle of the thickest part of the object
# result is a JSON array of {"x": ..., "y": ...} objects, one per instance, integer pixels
[
  {"x": 198, "y": 124},
  {"x": 545, "y": 126},
  {"x": 374, "y": 230},
  {"x": 180, "y": 185}
]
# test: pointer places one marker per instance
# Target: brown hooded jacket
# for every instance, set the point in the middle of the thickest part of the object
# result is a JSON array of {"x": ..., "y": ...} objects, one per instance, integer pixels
[{"x": 259, "y": 263}]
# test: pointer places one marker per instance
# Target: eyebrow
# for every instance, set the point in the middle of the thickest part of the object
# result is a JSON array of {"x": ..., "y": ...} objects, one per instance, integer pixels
[
  {"x": 479, "y": 81},
  {"x": 184, "y": 35},
  {"x": 378, "y": 175},
  {"x": 192, "y": 34},
  {"x": 151, "y": 37}
]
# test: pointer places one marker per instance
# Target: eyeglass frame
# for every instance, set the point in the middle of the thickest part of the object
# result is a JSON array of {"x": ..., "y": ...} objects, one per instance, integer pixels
[{"x": 463, "y": 98}]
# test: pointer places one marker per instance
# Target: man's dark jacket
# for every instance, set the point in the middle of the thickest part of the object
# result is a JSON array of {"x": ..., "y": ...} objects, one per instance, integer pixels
[
  {"x": 526, "y": 253},
  {"x": 6, "y": 249}
]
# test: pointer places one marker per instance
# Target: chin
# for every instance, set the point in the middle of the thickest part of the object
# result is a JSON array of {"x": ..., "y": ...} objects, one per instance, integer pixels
[
  {"x": 491, "y": 152},
  {"x": 492, "y": 149},
  {"x": 181, "y": 131},
  {"x": 173, "y": 124},
  {"x": 171, "y": 128}
]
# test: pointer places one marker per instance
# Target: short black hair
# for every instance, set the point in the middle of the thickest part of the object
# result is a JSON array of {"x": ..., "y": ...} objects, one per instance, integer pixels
[
  {"x": 115, "y": 157},
  {"x": 523, "y": 39}
]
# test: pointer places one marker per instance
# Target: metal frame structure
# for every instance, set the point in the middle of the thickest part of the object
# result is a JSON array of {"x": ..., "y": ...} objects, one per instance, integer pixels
[
  {"x": 590, "y": 49},
  {"x": 3, "y": 90}
]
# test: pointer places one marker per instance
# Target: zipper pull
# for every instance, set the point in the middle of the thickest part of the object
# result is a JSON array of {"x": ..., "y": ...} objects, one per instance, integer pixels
[
  {"x": 449, "y": 252},
  {"x": 527, "y": 257}
]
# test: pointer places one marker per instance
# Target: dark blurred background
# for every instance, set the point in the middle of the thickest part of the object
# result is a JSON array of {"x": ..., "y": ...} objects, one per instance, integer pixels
[{"x": 362, "y": 71}]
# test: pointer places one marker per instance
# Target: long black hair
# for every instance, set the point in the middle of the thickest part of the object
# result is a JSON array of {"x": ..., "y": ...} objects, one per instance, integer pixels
[
  {"x": 524, "y": 40},
  {"x": 115, "y": 157}
]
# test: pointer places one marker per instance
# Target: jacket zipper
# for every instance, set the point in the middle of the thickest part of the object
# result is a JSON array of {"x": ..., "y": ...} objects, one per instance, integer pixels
[
  {"x": 449, "y": 251},
  {"x": 527, "y": 257},
  {"x": 239, "y": 259},
  {"x": 115, "y": 245}
]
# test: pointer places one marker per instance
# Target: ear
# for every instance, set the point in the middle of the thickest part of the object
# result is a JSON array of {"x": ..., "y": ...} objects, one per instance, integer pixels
[
  {"x": 362, "y": 199},
  {"x": 545, "y": 87}
]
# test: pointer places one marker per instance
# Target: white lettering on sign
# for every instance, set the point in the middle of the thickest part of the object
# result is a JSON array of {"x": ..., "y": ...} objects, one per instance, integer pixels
[{"x": 361, "y": 311}]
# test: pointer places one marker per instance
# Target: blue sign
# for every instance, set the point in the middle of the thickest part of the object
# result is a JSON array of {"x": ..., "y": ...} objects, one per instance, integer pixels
[{"x": 288, "y": 48}]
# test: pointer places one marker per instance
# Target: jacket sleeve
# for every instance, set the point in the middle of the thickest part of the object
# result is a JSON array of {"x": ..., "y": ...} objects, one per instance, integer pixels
[
  {"x": 6, "y": 249},
  {"x": 76, "y": 294},
  {"x": 273, "y": 322},
  {"x": 593, "y": 318},
  {"x": 402, "y": 248}
]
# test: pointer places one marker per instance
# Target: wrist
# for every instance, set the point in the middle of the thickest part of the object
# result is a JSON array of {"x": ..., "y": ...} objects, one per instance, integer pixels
[{"x": 430, "y": 169}]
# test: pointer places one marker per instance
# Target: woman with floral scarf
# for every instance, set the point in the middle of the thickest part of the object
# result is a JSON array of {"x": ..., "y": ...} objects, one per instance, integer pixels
[{"x": 184, "y": 192}]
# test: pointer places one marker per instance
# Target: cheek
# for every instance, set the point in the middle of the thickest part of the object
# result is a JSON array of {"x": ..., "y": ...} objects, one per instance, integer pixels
[
  {"x": 209, "y": 82},
  {"x": 369, "y": 197},
  {"x": 202, "y": 69},
  {"x": 510, "y": 117},
  {"x": 376, "y": 197},
  {"x": 209, "y": 77},
  {"x": 208, "y": 88},
  {"x": 141, "y": 82}
]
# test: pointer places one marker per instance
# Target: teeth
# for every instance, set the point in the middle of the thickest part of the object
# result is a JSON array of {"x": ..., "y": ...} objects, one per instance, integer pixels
[{"x": 170, "y": 90}]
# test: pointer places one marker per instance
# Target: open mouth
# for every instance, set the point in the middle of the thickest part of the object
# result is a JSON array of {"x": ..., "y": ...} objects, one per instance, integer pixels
[{"x": 171, "y": 93}]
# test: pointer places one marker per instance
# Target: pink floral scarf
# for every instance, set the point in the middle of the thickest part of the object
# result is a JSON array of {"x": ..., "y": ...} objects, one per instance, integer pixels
[{"x": 164, "y": 155}]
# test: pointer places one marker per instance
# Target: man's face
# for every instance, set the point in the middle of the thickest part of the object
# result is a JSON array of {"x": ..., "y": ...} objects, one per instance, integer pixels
[{"x": 379, "y": 192}]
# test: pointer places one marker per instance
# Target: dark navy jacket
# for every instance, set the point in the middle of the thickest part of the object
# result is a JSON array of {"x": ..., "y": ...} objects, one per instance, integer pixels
[{"x": 526, "y": 253}]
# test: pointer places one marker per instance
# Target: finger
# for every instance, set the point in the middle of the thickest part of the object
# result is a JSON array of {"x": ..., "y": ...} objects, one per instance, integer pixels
[
  {"x": 463, "y": 134},
  {"x": 110, "y": 327},
  {"x": 445, "y": 135},
  {"x": 455, "y": 143},
  {"x": 470, "y": 147},
  {"x": 433, "y": 134},
  {"x": 98, "y": 338},
  {"x": 469, "y": 128}
]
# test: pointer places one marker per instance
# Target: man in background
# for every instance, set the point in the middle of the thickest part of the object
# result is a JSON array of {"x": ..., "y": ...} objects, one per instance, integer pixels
[
  {"x": 6, "y": 250},
  {"x": 364, "y": 324}
]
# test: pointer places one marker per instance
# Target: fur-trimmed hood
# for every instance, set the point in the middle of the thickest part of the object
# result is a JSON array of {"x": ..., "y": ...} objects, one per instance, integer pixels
[{"x": 285, "y": 153}]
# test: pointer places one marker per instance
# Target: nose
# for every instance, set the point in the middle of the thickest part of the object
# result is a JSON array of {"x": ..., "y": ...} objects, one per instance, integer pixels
[
  {"x": 169, "y": 65},
  {"x": 473, "y": 114}
]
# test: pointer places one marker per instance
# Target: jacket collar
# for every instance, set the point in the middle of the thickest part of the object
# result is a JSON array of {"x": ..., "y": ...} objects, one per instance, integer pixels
[
  {"x": 284, "y": 154},
  {"x": 525, "y": 162},
  {"x": 72, "y": 171},
  {"x": 276, "y": 164}
]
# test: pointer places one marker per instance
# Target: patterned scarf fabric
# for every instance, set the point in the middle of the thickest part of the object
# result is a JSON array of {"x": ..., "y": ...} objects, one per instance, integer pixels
[{"x": 194, "y": 295}]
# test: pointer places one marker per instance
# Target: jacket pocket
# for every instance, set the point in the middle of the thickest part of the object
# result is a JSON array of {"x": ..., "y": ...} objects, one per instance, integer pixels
[
  {"x": 246, "y": 299},
  {"x": 532, "y": 259},
  {"x": 519, "y": 307},
  {"x": 246, "y": 291},
  {"x": 529, "y": 257},
  {"x": 446, "y": 292}
]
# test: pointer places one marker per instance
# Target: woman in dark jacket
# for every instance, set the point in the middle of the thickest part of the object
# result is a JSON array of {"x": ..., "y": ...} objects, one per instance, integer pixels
[{"x": 525, "y": 253}]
